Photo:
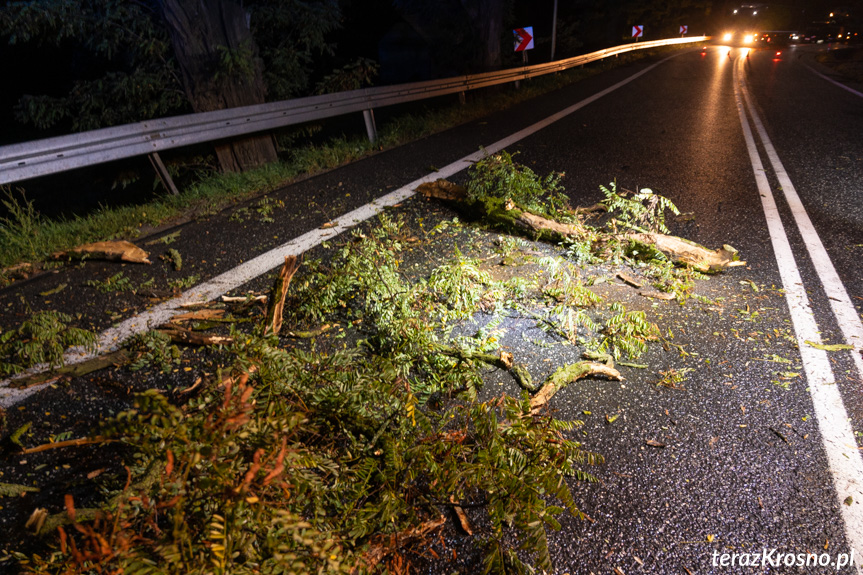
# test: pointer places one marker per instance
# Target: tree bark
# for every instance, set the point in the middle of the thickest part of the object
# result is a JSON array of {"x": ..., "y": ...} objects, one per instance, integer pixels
[
  {"x": 220, "y": 68},
  {"x": 486, "y": 19}
]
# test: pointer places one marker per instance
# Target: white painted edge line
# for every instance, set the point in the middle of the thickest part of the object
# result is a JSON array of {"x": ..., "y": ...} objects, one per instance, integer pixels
[
  {"x": 832, "y": 81},
  {"x": 837, "y": 437},
  {"x": 232, "y": 279}
]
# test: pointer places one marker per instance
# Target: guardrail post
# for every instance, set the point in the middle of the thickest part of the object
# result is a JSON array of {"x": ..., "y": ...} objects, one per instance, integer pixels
[
  {"x": 461, "y": 98},
  {"x": 162, "y": 172},
  {"x": 371, "y": 129}
]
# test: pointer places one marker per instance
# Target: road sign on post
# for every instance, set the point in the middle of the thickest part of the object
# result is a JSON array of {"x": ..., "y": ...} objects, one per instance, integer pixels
[
  {"x": 523, "y": 38},
  {"x": 637, "y": 32},
  {"x": 684, "y": 30}
]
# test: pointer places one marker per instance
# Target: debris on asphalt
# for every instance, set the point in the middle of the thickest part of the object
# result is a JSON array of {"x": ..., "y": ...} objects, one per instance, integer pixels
[{"x": 118, "y": 251}]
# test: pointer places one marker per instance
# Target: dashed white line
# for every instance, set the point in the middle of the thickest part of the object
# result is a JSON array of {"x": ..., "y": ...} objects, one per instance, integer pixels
[
  {"x": 234, "y": 278},
  {"x": 837, "y": 436}
]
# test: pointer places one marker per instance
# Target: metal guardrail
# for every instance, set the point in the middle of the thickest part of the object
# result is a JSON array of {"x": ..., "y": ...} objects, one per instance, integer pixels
[{"x": 54, "y": 155}]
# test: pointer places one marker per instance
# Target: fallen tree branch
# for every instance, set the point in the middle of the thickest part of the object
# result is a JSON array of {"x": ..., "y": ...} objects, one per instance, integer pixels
[
  {"x": 518, "y": 372},
  {"x": 116, "y": 358},
  {"x": 243, "y": 299},
  {"x": 683, "y": 251},
  {"x": 119, "y": 251},
  {"x": 566, "y": 375},
  {"x": 508, "y": 215},
  {"x": 200, "y": 314}
]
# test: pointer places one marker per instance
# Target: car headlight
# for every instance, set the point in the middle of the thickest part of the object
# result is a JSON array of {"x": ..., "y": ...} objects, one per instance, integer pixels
[{"x": 727, "y": 37}]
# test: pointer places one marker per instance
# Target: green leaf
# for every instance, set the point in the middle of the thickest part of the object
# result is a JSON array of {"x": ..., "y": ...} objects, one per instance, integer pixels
[{"x": 829, "y": 347}]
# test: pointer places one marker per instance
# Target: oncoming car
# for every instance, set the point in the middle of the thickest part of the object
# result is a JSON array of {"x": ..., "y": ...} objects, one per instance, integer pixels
[{"x": 738, "y": 38}]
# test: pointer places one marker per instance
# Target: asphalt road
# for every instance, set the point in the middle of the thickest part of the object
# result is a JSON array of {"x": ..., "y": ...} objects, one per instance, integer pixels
[{"x": 744, "y": 468}]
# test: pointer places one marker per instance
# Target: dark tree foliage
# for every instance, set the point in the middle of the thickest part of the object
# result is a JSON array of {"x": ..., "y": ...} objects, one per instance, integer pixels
[
  {"x": 291, "y": 34},
  {"x": 126, "y": 68},
  {"x": 128, "y": 72},
  {"x": 464, "y": 36}
]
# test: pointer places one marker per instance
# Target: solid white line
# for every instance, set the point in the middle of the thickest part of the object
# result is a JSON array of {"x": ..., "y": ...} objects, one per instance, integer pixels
[
  {"x": 112, "y": 338},
  {"x": 832, "y": 81},
  {"x": 837, "y": 437}
]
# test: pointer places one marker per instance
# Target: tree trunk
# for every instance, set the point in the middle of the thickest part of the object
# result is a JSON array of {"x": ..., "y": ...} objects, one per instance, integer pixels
[
  {"x": 220, "y": 69},
  {"x": 486, "y": 19}
]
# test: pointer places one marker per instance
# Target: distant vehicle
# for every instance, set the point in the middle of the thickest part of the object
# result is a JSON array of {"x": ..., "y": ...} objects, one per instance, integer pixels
[{"x": 739, "y": 38}]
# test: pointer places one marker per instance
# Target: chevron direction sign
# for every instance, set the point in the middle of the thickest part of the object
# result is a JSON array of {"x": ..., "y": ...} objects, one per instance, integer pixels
[{"x": 523, "y": 38}]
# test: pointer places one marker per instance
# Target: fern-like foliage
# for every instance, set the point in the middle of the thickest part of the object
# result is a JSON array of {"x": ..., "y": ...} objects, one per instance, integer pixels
[
  {"x": 626, "y": 333},
  {"x": 43, "y": 338},
  {"x": 643, "y": 211},
  {"x": 498, "y": 176}
]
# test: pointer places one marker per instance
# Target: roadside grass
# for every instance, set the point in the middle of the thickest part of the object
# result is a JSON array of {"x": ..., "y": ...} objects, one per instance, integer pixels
[{"x": 26, "y": 236}]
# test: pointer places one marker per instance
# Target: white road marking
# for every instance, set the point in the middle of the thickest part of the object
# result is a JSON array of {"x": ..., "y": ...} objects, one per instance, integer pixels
[
  {"x": 837, "y": 436},
  {"x": 112, "y": 338},
  {"x": 832, "y": 81}
]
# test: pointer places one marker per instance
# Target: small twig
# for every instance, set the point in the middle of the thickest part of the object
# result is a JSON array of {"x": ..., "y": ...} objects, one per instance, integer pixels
[
  {"x": 69, "y": 443},
  {"x": 780, "y": 436}
]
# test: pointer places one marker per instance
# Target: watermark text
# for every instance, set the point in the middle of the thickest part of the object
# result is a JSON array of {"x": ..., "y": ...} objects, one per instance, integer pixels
[{"x": 775, "y": 558}]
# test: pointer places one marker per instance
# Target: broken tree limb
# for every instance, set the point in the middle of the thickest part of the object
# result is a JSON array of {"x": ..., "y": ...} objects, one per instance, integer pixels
[
  {"x": 276, "y": 301},
  {"x": 518, "y": 372},
  {"x": 683, "y": 251},
  {"x": 200, "y": 314},
  {"x": 118, "y": 251},
  {"x": 566, "y": 375}
]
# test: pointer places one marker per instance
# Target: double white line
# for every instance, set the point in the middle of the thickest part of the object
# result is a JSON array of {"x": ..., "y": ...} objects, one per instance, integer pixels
[{"x": 837, "y": 436}]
